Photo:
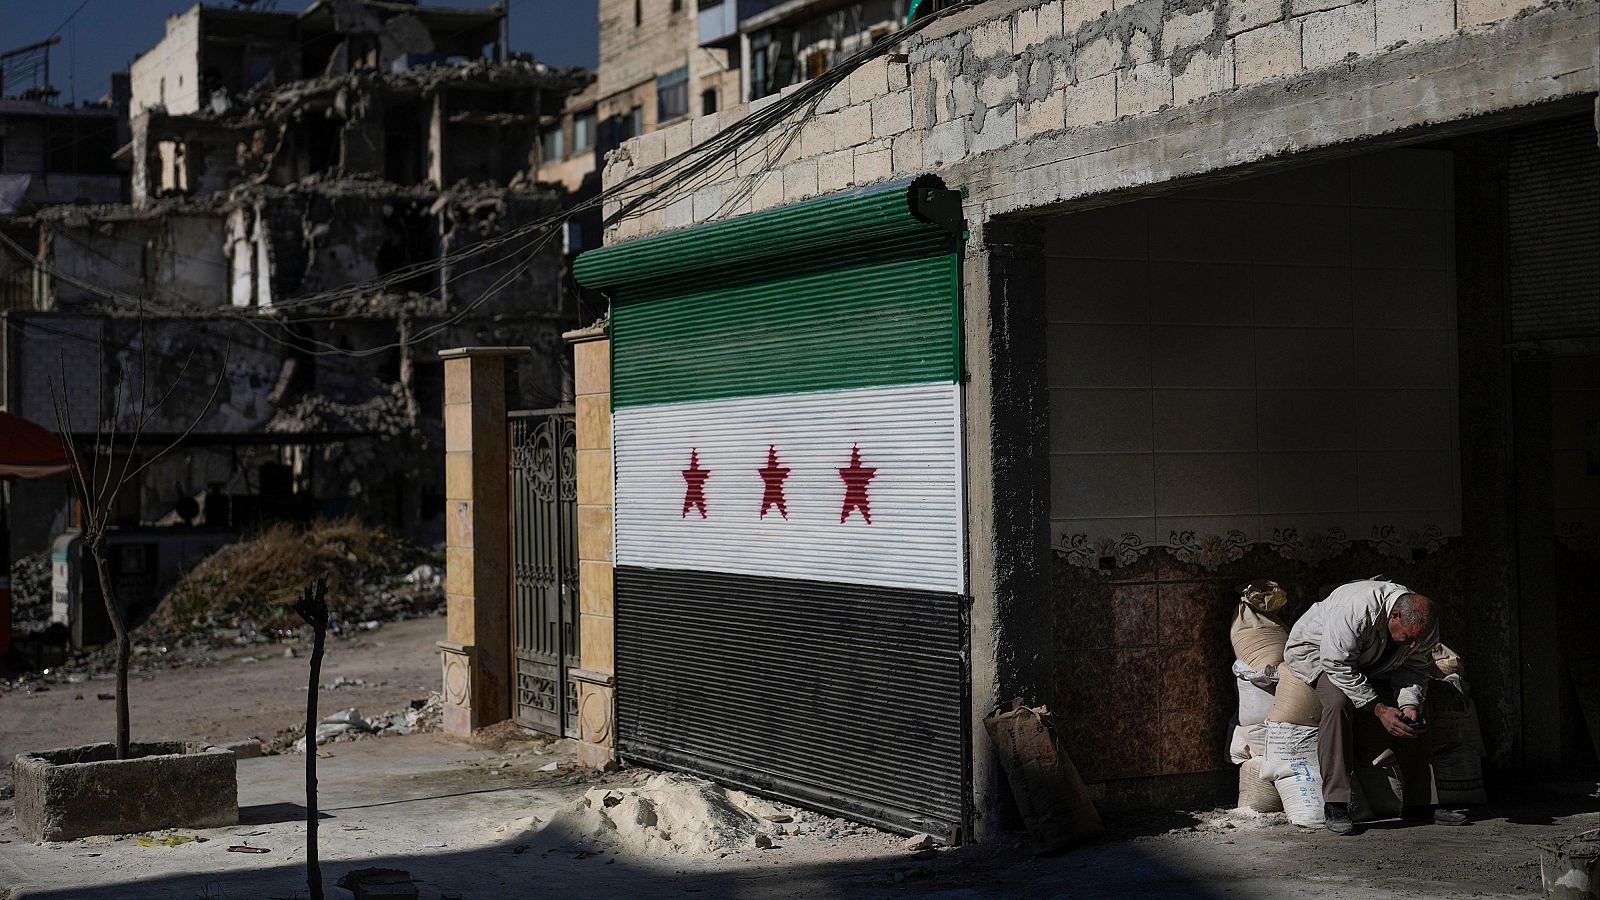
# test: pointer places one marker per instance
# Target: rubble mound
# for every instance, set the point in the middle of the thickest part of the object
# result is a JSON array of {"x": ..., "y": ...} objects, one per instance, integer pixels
[
  {"x": 672, "y": 815},
  {"x": 248, "y": 586},
  {"x": 30, "y": 593}
]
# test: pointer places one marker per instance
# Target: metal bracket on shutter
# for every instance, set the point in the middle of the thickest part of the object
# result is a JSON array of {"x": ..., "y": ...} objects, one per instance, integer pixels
[{"x": 932, "y": 202}]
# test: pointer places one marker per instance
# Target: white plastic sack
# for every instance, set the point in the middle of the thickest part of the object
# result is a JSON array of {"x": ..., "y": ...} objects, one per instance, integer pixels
[
  {"x": 1291, "y": 765},
  {"x": 1246, "y": 741},
  {"x": 1247, "y": 733}
]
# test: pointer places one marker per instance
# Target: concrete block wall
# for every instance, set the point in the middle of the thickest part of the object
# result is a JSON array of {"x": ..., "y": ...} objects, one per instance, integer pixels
[{"x": 970, "y": 98}]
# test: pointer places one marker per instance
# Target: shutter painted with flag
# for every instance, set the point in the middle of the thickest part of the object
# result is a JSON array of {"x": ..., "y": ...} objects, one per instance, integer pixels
[{"x": 790, "y": 553}]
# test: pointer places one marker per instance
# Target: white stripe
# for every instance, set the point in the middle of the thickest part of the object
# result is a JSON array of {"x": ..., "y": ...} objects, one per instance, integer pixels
[{"x": 909, "y": 434}]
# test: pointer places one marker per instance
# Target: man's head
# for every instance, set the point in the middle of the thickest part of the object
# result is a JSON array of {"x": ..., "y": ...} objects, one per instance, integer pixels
[{"x": 1411, "y": 619}]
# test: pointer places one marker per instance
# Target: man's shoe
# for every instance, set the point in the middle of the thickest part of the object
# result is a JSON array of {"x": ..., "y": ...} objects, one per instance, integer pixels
[
  {"x": 1432, "y": 814},
  {"x": 1336, "y": 817}
]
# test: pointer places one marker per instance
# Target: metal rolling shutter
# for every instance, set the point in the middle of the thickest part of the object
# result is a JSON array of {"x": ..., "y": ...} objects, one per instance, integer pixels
[
  {"x": 1554, "y": 231},
  {"x": 790, "y": 579}
]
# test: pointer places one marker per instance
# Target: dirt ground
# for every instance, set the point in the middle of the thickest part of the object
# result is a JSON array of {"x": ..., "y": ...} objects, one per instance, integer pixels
[
  {"x": 249, "y": 692},
  {"x": 475, "y": 822}
]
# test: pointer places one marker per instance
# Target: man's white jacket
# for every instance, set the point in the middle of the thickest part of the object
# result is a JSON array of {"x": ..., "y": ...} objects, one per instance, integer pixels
[{"x": 1346, "y": 637}]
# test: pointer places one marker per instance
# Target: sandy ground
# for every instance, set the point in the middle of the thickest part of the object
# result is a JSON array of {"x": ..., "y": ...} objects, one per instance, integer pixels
[
  {"x": 249, "y": 692},
  {"x": 468, "y": 822}
]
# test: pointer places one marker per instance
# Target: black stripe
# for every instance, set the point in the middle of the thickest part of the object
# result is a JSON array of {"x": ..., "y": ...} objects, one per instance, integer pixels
[{"x": 846, "y": 698}]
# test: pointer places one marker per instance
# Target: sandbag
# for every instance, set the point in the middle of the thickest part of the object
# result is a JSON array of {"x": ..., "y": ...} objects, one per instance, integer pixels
[
  {"x": 1375, "y": 793},
  {"x": 1051, "y": 796},
  {"x": 1246, "y": 742},
  {"x": 1295, "y": 702},
  {"x": 1446, "y": 662},
  {"x": 1257, "y": 637},
  {"x": 1457, "y": 743},
  {"x": 1257, "y": 793},
  {"x": 1267, "y": 596},
  {"x": 1247, "y": 734},
  {"x": 1291, "y": 765}
]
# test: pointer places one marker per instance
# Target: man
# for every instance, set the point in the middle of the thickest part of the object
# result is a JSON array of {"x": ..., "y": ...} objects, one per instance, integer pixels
[{"x": 1365, "y": 631}]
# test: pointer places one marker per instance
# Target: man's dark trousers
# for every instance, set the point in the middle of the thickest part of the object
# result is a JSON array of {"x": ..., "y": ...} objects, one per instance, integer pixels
[{"x": 1345, "y": 728}]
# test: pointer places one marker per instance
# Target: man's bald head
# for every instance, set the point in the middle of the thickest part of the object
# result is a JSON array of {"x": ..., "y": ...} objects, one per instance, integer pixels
[{"x": 1411, "y": 619}]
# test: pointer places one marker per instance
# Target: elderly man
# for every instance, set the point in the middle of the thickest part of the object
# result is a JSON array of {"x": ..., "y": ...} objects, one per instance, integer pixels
[{"x": 1365, "y": 631}]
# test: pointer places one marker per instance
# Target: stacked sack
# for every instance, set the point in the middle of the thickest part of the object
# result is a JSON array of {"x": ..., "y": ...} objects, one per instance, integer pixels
[
  {"x": 1258, "y": 636},
  {"x": 1457, "y": 741}
]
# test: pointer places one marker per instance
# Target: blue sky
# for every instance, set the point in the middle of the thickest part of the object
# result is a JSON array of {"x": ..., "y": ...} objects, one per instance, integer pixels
[{"x": 106, "y": 34}]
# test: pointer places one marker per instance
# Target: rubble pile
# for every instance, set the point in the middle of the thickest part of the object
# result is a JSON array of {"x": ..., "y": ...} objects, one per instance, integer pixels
[
  {"x": 241, "y": 594},
  {"x": 669, "y": 814},
  {"x": 421, "y": 716},
  {"x": 30, "y": 593}
]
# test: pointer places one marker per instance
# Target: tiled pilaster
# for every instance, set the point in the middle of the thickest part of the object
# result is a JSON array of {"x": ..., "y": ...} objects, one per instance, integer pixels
[{"x": 591, "y": 351}]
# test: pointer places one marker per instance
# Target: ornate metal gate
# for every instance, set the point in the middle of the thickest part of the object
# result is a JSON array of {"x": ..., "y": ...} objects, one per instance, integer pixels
[{"x": 544, "y": 569}]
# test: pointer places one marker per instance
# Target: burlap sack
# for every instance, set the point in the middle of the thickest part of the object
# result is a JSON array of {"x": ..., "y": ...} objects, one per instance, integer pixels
[
  {"x": 1257, "y": 793},
  {"x": 1050, "y": 794},
  {"x": 1295, "y": 701},
  {"x": 1258, "y": 637},
  {"x": 1446, "y": 662},
  {"x": 1266, "y": 596}
]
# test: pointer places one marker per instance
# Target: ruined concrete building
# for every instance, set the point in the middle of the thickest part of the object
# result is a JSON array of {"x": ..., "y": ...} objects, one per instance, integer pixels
[{"x": 280, "y": 156}]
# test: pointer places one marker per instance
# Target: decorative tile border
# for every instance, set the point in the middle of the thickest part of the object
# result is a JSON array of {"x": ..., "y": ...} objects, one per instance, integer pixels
[{"x": 1212, "y": 551}]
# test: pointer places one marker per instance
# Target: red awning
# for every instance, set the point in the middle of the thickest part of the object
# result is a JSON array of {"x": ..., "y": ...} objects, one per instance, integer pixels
[{"x": 29, "y": 451}]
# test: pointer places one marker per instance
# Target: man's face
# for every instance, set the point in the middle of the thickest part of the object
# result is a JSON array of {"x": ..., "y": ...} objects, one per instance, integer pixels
[{"x": 1401, "y": 633}]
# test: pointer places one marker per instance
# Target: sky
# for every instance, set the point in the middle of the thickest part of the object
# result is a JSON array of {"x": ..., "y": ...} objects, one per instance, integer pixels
[{"x": 105, "y": 35}]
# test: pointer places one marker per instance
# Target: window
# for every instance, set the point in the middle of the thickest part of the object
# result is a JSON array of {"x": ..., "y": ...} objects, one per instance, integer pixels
[
  {"x": 638, "y": 13},
  {"x": 553, "y": 150},
  {"x": 708, "y": 102},
  {"x": 672, "y": 95},
  {"x": 635, "y": 121},
  {"x": 677, "y": 5},
  {"x": 582, "y": 131}
]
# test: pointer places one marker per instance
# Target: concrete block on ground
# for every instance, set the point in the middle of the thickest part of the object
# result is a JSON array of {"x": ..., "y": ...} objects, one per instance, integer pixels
[
  {"x": 81, "y": 791},
  {"x": 1329, "y": 37},
  {"x": 250, "y": 749},
  {"x": 1414, "y": 20},
  {"x": 1267, "y": 52}
]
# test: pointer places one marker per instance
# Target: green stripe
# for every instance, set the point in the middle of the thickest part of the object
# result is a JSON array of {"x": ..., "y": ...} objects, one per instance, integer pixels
[{"x": 871, "y": 318}]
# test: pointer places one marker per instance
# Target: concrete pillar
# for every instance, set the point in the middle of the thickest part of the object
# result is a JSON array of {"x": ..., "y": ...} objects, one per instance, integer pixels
[
  {"x": 591, "y": 351},
  {"x": 1008, "y": 493},
  {"x": 476, "y": 655}
]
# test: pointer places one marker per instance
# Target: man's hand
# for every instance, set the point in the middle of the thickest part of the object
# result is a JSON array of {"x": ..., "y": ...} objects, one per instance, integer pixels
[{"x": 1392, "y": 721}]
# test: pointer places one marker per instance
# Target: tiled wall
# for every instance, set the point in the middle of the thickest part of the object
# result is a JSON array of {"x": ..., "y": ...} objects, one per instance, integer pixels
[{"x": 1267, "y": 354}]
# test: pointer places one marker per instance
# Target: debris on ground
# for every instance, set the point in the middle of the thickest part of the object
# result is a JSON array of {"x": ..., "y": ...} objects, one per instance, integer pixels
[
  {"x": 376, "y": 882},
  {"x": 668, "y": 814},
  {"x": 421, "y": 716},
  {"x": 240, "y": 594},
  {"x": 30, "y": 593}
]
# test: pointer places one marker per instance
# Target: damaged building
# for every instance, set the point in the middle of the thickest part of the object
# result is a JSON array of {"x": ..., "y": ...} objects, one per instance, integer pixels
[{"x": 323, "y": 199}]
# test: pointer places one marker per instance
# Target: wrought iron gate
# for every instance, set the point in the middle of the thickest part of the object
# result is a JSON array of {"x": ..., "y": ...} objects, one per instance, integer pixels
[{"x": 544, "y": 569}]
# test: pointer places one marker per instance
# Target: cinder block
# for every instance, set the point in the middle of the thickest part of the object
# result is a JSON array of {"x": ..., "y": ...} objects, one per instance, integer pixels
[
  {"x": 907, "y": 152},
  {"x": 769, "y": 190},
  {"x": 1187, "y": 29},
  {"x": 1206, "y": 73},
  {"x": 1245, "y": 15},
  {"x": 1077, "y": 13},
  {"x": 1090, "y": 102},
  {"x": 835, "y": 171},
  {"x": 704, "y": 129},
  {"x": 799, "y": 180},
  {"x": 1041, "y": 117},
  {"x": 891, "y": 114},
  {"x": 945, "y": 143},
  {"x": 991, "y": 39},
  {"x": 1478, "y": 12},
  {"x": 852, "y": 126},
  {"x": 1096, "y": 58},
  {"x": 837, "y": 97},
  {"x": 596, "y": 643},
  {"x": 1141, "y": 48},
  {"x": 1144, "y": 88},
  {"x": 960, "y": 99},
  {"x": 872, "y": 166},
  {"x": 999, "y": 129},
  {"x": 1030, "y": 27},
  {"x": 998, "y": 90},
  {"x": 1266, "y": 53},
  {"x": 1306, "y": 7},
  {"x": 816, "y": 138},
  {"x": 899, "y": 76},
  {"x": 1414, "y": 20},
  {"x": 707, "y": 203},
  {"x": 868, "y": 81},
  {"x": 677, "y": 138},
  {"x": 1333, "y": 35},
  {"x": 680, "y": 212},
  {"x": 649, "y": 149}
]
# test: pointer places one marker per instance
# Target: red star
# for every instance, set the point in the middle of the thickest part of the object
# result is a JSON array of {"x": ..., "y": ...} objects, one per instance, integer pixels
[
  {"x": 694, "y": 480},
  {"x": 855, "y": 478},
  {"x": 772, "y": 475}
]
